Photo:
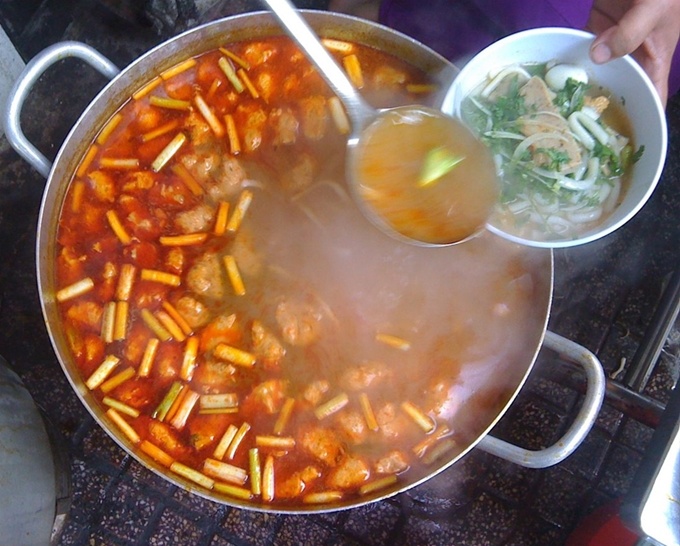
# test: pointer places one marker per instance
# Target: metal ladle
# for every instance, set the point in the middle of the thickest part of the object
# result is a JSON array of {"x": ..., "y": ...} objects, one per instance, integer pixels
[{"x": 360, "y": 113}]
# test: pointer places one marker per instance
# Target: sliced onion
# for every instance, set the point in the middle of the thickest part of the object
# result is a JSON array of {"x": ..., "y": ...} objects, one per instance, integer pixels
[
  {"x": 584, "y": 216},
  {"x": 498, "y": 78}
]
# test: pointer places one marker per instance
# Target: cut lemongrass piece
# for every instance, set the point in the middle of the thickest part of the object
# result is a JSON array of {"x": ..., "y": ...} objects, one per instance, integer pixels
[
  {"x": 76, "y": 289},
  {"x": 178, "y": 68},
  {"x": 420, "y": 418},
  {"x": 232, "y": 134},
  {"x": 439, "y": 450},
  {"x": 190, "y": 359},
  {"x": 275, "y": 442},
  {"x": 119, "y": 163},
  {"x": 221, "y": 218},
  {"x": 168, "y": 152},
  {"x": 249, "y": 84},
  {"x": 149, "y": 355},
  {"x": 117, "y": 380},
  {"x": 438, "y": 162},
  {"x": 393, "y": 341},
  {"x": 268, "y": 479},
  {"x": 188, "y": 239},
  {"x": 120, "y": 407},
  {"x": 156, "y": 453},
  {"x": 154, "y": 325},
  {"x": 160, "y": 131},
  {"x": 217, "y": 411},
  {"x": 77, "y": 193},
  {"x": 125, "y": 281},
  {"x": 255, "y": 471},
  {"x": 161, "y": 276},
  {"x": 338, "y": 45},
  {"x": 168, "y": 400},
  {"x": 102, "y": 372},
  {"x": 334, "y": 405},
  {"x": 110, "y": 126},
  {"x": 123, "y": 425},
  {"x": 225, "y": 442},
  {"x": 184, "y": 410},
  {"x": 179, "y": 319},
  {"x": 117, "y": 227},
  {"x": 242, "y": 205},
  {"x": 353, "y": 69},
  {"x": 147, "y": 88},
  {"x": 421, "y": 88},
  {"x": 209, "y": 116},
  {"x": 87, "y": 160},
  {"x": 170, "y": 325},
  {"x": 234, "y": 355},
  {"x": 238, "y": 60},
  {"x": 216, "y": 401},
  {"x": 284, "y": 416},
  {"x": 233, "y": 491},
  {"x": 230, "y": 73},
  {"x": 369, "y": 416},
  {"x": 323, "y": 497},
  {"x": 193, "y": 475},
  {"x": 225, "y": 471},
  {"x": 120, "y": 321},
  {"x": 108, "y": 319},
  {"x": 234, "y": 275},
  {"x": 188, "y": 179},
  {"x": 238, "y": 438},
  {"x": 377, "y": 485},
  {"x": 170, "y": 104},
  {"x": 421, "y": 447},
  {"x": 214, "y": 86},
  {"x": 339, "y": 115}
]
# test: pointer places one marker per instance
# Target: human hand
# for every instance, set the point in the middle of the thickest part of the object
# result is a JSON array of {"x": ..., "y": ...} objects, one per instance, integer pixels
[{"x": 648, "y": 29}]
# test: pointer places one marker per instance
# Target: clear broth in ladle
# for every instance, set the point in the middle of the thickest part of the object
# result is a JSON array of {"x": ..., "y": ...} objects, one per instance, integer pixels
[{"x": 425, "y": 175}]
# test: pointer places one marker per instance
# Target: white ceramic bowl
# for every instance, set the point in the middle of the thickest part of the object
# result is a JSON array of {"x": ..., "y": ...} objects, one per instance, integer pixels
[{"x": 622, "y": 77}]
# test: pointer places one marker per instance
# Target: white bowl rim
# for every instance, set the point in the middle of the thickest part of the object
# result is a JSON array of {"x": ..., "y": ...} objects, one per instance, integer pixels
[{"x": 449, "y": 102}]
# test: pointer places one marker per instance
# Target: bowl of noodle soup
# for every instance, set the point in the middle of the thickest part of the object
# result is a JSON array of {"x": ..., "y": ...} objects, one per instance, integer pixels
[{"x": 579, "y": 147}]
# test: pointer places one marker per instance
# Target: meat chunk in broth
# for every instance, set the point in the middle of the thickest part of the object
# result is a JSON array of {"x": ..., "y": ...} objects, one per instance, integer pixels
[
  {"x": 198, "y": 219},
  {"x": 351, "y": 472},
  {"x": 205, "y": 277},
  {"x": 394, "y": 462},
  {"x": 193, "y": 311},
  {"x": 322, "y": 444},
  {"x": 299, "y": 319}
]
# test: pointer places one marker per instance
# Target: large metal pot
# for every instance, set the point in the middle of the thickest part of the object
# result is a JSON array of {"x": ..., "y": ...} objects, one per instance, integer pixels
[{"x": 204, "y": 38}]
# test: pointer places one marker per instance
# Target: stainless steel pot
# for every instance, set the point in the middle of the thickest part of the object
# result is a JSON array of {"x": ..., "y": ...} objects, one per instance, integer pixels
[{"x": 203, "y": 38}]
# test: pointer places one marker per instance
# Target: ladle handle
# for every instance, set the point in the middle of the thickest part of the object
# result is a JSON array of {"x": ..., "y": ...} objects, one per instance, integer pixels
[
  {"x": 358, "y": 110},
  {"x": 22, "y": 87},
  {"x": 582, "y": 424}
]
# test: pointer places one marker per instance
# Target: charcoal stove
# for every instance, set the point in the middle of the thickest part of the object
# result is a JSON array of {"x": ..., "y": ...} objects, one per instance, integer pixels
[{"x": 617, "y": 296}]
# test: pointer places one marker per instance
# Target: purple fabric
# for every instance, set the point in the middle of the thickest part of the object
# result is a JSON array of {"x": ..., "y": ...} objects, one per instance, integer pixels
[{"x": 458, "y": 29}]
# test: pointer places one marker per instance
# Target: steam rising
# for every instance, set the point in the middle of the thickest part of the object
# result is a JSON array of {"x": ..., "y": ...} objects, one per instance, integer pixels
[{"x": 473, "y": 313}]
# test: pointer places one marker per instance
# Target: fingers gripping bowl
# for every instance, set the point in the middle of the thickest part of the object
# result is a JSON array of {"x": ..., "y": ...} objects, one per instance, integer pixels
[{"x": 575, "y": 179}]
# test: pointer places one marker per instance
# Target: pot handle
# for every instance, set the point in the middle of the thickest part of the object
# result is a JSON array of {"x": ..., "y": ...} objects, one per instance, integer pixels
[
  {"x": 582, "y": 424},
  {"x": 33, "y": 70}
]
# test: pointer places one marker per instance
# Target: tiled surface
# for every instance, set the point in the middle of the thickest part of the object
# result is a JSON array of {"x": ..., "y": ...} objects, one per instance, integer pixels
[{"x": 604, "y": 298}]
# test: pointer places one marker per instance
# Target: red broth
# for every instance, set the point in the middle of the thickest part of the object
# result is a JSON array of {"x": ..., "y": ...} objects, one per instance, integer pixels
[{"x": 241, "y": 323}]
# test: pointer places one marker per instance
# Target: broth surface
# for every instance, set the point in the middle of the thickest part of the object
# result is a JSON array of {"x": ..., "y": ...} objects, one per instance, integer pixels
[{"x": 240, "y": 322}]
